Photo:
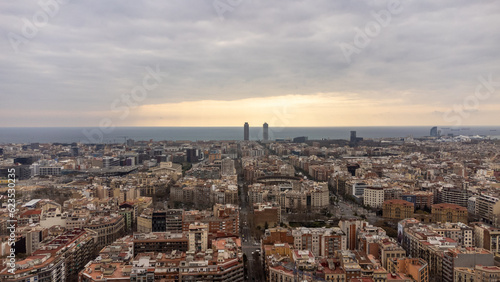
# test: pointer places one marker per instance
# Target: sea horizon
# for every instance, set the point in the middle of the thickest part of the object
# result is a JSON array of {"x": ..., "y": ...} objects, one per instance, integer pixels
[{"x": 199, "y": 133}]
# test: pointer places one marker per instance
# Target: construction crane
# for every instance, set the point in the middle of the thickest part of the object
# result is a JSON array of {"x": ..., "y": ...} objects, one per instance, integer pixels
[{"x": 124, "y": 138}]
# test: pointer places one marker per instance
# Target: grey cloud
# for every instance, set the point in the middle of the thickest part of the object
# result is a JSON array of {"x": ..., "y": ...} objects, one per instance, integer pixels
[{"x": 93, "y": 51}]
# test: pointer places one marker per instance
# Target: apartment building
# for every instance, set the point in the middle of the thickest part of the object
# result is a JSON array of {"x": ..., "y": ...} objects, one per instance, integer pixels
[
  {"x": 487, "y": 237},
  {"x": 108, "y": 228},
  {"x": 416, "y": 268},
  {"x": 322, "y": 242},
  {"x": 373, "y": 197}
]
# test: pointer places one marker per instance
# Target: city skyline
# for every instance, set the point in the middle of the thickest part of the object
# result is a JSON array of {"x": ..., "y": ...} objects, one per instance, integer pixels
[{"x": 176, "y": 64}]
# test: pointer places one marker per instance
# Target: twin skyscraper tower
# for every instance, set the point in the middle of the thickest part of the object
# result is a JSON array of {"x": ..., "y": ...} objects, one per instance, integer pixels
[{"x": 246, "y": 131}]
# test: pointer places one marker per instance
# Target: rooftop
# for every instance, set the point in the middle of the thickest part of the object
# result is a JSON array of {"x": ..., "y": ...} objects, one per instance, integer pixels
[{"x": 398, "y": 201}]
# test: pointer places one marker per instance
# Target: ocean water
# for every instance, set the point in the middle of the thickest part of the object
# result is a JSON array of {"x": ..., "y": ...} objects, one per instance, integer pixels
[{"x": 120, "y": 134}]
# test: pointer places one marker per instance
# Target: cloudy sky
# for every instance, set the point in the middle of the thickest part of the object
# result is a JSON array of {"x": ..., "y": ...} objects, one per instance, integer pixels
[{"x": 224, "y": 62}]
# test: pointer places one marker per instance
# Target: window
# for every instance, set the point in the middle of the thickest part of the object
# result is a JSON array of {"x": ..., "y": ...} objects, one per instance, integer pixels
[
  {"x": 397, "y": 212},
  {"x": 449, "y": 217}
]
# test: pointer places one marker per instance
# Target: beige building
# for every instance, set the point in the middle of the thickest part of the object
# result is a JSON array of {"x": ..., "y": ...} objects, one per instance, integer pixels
[
  {"x": 320, "y": 196},
  {"x": 256, "y": 193},
  {"x": 108, "y": 228},
  {"x": 486, "y": 273},
  {"x": 449, "y": 213},
  {"x": 166, "y": 260},
  {"x": 487, "y": 237},
  {"x": 416, "y": 268},
  {"x": 463, "y": 274},
  {"x": 170, "y": 169},
  {"x": 322, "y": 242},
  {"x": 397, "y": 209},
  {"x": 77, "y": 218},
  {"x": 128, "y": 194},
  {"x": 460, "y": 232},
  {"x": 293, "y": 200},
  {"x": 477, "y": 274},
  {"x": 280, "y": 274},
  {"x": 373, "y": 197},
  {"x": 198, "y": 237},
  {"x": 390, "y": 250},
  {"x": 145, "y": 221}
]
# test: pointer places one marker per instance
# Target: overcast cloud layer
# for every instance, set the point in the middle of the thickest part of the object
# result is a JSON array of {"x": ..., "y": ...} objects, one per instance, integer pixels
[{"x": 426, "y": 59}]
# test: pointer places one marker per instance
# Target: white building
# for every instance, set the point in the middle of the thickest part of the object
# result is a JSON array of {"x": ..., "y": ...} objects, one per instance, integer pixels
[
  {"x": 373, "y": 197},
  {"x": 50, "y": 170},
  {"x": 358, "y": 189}
]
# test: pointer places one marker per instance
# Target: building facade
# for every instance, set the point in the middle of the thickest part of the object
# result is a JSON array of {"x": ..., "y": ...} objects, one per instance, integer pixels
[
  {"x": 397, "y": 209},
  {"x": 449, "y": 213}
]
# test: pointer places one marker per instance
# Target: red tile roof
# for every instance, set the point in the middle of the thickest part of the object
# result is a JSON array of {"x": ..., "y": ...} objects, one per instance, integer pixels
[
  {"x": 398, "y": 201},
  {"x": 448, "y": 206},
  {"x": 31, "y": 212}
]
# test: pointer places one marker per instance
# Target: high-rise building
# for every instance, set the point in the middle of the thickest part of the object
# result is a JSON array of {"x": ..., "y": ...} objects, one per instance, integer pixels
[
  {"x": 265, "y": 135},
  {"x": 353, "y": 137},
  {"x": 434, "y": 131},
  {"x": 353, "y": 141},
  {"x": 246, "y": 131},
  {"x": 191, "y": 155},
  {"x": 454, "y": 195}
]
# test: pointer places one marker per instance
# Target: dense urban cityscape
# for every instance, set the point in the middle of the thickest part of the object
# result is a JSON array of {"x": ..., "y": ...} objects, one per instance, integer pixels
[
  {"x": 249, "y": 140},
  {"x": 355, "y": 209}
]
